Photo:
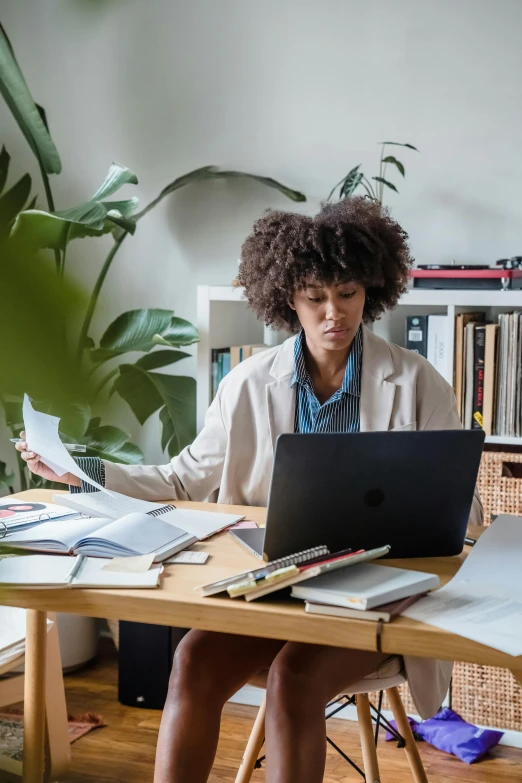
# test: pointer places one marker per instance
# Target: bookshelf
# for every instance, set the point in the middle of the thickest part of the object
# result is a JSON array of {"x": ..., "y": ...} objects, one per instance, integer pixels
[{"x": 224, "y": 319}]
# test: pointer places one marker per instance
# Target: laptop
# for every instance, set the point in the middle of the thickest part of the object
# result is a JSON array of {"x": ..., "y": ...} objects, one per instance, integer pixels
[{"x": 411, "y": 490}]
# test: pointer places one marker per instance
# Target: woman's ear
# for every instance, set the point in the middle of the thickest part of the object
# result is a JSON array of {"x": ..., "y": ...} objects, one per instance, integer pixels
[{"x": 291, "y": 304}]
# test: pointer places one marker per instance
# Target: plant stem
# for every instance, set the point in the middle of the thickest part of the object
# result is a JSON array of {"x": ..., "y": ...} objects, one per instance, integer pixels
[
  {"x": 50, "y": 206},
  {"x": 96, "y": 292},
  {"x": 381, "y": 174},
  {"x": 21, "y": 471},
  {"x": 369, "y": 189}
]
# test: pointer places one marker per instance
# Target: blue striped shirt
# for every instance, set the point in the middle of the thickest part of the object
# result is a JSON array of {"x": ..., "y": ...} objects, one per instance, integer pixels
[{"x": 341, "y": 413}]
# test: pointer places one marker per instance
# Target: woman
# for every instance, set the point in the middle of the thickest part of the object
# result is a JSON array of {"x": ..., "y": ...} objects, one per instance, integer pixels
[{"x": 321, "y": 277}]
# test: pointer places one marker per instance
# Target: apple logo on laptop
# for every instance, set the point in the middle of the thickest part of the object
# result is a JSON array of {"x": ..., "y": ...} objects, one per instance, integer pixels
[{"x": 374, "y": 498}]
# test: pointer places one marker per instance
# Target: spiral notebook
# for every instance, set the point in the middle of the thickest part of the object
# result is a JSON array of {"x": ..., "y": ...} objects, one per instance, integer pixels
[{"x": 256, "y": 573}]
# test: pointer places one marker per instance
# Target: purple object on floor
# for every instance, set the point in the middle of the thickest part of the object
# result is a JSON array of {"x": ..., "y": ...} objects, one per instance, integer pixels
[
  {"x": 413, "y": 723},
  {"x": 447, "y": 731}
]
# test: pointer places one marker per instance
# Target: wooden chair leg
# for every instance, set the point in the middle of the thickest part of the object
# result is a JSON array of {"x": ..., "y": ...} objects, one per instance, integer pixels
[
  {"x": 58, "y": 747},
  {"x": 255, "y": 742},
  {"x": 34, "y": 696},
  {"x": 411, "y": 750},
  {"x": 369, "y": 751}
]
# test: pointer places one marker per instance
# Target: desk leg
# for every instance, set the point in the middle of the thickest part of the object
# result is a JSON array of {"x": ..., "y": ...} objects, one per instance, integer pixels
[{"x": 34, "y": 697}]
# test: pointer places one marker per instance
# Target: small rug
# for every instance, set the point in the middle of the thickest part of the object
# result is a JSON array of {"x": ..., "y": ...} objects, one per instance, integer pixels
[{"x": 12, "y": 730}]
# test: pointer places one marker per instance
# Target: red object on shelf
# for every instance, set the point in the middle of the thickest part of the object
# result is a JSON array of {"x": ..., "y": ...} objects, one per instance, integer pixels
[{"x": 467, "y": 273}]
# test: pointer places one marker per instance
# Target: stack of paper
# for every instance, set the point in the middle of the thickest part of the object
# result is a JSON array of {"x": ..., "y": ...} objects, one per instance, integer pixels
[
  {"x": 483, "y": 600},
  {"x": 12, "y": 633}
]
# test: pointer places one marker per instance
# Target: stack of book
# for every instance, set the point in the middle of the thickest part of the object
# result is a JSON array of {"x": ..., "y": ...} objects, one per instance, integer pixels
[
  {"x": 225, "y": 359},
  {"x": 487, "y": 372}
]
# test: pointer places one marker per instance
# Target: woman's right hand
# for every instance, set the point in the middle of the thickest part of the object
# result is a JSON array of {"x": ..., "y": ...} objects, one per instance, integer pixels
[{"x": 37, "y": 467}]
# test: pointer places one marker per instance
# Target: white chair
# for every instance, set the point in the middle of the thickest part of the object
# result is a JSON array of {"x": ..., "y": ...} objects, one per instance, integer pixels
[
  {"x": 58, "y": 750},
  {"x": 387, "y": 678}
]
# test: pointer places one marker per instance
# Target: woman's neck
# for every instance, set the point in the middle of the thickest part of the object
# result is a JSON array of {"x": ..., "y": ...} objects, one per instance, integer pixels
[{"x": 326, "y": 369}]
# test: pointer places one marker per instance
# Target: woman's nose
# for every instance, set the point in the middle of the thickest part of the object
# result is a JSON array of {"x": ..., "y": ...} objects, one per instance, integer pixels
[{"x": 333, "y": 312}]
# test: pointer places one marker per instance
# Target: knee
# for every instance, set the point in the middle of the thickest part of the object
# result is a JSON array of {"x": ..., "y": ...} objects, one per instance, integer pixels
[
  {"x": 291, "y": 683},
  {"x": 192, "y": 667}
]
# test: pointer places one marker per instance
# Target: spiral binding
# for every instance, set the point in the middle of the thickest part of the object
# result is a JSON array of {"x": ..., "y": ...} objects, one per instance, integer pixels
[{"x": 299, "y": 557}]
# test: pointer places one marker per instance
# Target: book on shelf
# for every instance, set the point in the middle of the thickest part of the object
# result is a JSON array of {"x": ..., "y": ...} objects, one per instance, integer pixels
[
  {"x": 488, "y": 373},
  {"x": 222, "y": 360},
  {"x": 438, "y": 344},
  {"x": 459, "y": 386},
  {"x": 417, "y": 334}
]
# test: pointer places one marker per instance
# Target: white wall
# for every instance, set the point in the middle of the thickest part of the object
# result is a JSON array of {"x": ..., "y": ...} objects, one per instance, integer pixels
[{"x": 300, "y": 90}]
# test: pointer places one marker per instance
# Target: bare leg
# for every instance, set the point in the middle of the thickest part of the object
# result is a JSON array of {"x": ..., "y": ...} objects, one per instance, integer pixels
[
  {"x": 302, "y": 680},
  {"x": 208, "y": 669}
]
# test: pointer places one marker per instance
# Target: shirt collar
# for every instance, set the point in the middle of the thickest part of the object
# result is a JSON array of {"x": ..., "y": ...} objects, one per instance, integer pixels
[{"x": 352, "y": 377}]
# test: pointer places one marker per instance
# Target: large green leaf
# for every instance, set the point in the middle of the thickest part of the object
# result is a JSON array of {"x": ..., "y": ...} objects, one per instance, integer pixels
[
  {"x": 137, "y": 387},
  {"x": 393, "y": 159},
  {"x": 17, "y": 96},
  {"x": 74, "y": 420},
  {"x": 179, "y": 393},
  {"x": 151, "y": 361},
  {"x": 134, "y": 331},
  {"x": 14, "y": 200},
  {"x": 6, "y": 479},
  {"x": 111, "y": 443},
  {"x": 213, "y": 173},
  {"x": 38, "y": 229},
  {"x": 146, "y": 392},
  {"x": 179, "y": 332},
  {"x": 386, "y": 182}
]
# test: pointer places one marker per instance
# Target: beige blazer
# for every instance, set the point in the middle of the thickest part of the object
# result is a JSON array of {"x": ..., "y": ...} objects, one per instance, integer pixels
[{"x": 231, "y": 459}]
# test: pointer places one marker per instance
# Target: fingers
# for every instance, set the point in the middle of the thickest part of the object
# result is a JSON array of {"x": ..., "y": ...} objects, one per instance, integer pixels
[{"x": 21, "y": 445}]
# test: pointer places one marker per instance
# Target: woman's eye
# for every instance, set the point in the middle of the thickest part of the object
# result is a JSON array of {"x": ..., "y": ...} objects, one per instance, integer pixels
[
  {"x": 348, "y": 295},
  {"x": 315, "y": 299}
]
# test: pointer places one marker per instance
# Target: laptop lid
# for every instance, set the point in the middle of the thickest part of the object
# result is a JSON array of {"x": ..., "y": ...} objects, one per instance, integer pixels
[{"x": 412, "y": 490}]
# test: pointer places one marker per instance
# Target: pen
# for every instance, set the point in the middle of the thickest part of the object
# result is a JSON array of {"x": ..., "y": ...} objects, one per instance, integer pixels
[
  {"x": 75, "y": 569},
  {"x": 68, "y": 446},
  {"x": 470, "y": 541}
]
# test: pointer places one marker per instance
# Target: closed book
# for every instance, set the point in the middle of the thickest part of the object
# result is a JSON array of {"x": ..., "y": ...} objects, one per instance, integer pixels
[
  {"x": 469, "y": 376},
  {"x": 479, "y": 355},
  {"x": 417, "y": 334},
  {"x": 490, "y": 372},
  {"x": 365, "y": 586},
  {"x": 297, "y": 574},
  {"x": 383, "y": 613},
  {"x": 438, "y": 344},
  {"x": 459, "y": 384}
]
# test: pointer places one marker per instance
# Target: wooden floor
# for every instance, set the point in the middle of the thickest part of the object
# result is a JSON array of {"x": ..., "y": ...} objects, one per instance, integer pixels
[{"x": 124, "y": 750}]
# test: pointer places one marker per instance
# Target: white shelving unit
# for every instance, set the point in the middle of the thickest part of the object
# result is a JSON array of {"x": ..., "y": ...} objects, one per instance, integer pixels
[{"x": 224, "y": 319}]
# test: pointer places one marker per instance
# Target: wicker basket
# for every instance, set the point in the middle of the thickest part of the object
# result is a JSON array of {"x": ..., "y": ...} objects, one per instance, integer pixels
[{"x": 486, "y": 694}]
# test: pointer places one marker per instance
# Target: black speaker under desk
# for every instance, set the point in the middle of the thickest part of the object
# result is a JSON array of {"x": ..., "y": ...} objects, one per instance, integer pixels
[{"x": 145, "y": 661}]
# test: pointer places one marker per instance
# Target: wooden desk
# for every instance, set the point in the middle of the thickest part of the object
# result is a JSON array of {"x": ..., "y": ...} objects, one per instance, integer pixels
[{"x": 178, "y": 604}]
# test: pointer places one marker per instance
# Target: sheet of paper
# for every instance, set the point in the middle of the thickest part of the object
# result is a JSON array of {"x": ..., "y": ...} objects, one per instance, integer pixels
[
  {"x": 191, "y": 558},
  {"x": 483, "y": 601},
  {"x": 41, "y": 430},
  {"x": 134, "y": 565},
  {"x": 475, "y": 612}
]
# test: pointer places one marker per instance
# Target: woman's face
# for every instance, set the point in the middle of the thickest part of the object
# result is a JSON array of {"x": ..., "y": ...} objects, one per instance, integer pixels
[{"x": 330, "y": 314}]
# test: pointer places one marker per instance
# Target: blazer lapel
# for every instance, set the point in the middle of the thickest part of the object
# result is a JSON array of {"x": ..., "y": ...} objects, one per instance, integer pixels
[
  {"x": 280, "y": 396},
  {"x": 377, "y": 393}
]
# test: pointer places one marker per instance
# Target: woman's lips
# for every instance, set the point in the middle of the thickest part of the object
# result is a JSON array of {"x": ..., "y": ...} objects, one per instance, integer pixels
[{"x": 336, "y": 333}]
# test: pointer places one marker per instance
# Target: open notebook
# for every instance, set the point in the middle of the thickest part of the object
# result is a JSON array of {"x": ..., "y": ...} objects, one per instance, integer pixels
[
  {"x": 113, "y": 505},
  {"x": 47, "y": 571},
  {"x": 132, "y": 534}
]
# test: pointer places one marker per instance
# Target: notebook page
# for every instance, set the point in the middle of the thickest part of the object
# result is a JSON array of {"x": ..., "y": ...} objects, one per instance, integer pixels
[
  {"x": 201, "y": 524},
  {"x": 91, "y": 574},
  {"x": 65, "y": 532},
  {"x": 112, "y": 506},
  {"x": 136, "y": 532},
  {"x": 35, "y": 570}
]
